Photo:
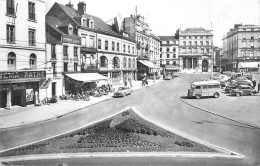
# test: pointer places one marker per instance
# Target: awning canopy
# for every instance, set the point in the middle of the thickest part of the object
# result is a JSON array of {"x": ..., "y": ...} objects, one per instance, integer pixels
[
  {"x": 246, "y": 65},
  {"x": 149, "y": 64},
  {"x": 87, "y": 77}
]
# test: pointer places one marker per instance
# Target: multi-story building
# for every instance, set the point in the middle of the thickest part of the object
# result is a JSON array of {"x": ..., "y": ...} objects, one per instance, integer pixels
[
  {"x": 195, "y": 50},
  {"x": 22, "y": 49},
  {"x": 103, "y": 49},
  {"x": 241, "y": 46},
  {"x": 147, "y": 45},
  {"x": 169, "y": 57}
]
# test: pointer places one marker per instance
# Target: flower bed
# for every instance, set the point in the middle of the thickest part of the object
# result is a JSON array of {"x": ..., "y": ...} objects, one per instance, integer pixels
[{"x": 121, "y": 133}]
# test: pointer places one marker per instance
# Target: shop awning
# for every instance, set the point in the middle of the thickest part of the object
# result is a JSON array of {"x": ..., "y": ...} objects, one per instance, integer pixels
[
  {"x": 87, "y": 77},
  {"x": 246, "y": 65},
  {"x": 149, "y": 64}
]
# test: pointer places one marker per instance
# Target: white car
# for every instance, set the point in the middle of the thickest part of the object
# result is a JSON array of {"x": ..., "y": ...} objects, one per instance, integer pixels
[{"x": 123, "y": 91}]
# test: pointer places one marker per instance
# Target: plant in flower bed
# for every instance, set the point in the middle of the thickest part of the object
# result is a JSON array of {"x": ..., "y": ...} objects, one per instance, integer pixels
[{"x": 123, "y": 132}]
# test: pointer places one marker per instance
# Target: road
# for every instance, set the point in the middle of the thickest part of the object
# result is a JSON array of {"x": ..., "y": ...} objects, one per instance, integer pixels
[{"x": 160, "y": 103}]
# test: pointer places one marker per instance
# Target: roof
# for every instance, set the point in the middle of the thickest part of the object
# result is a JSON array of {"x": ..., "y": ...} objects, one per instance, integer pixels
[
  {"x": 54, "y": 23},
  {"x": 98, "y": 22},
  {"x": 195, "y": 29},
  {"x": 206, "y": 82}
]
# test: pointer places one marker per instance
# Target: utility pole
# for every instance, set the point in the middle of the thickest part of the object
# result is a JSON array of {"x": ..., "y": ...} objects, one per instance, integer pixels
[{"x": 212, "y": 60}]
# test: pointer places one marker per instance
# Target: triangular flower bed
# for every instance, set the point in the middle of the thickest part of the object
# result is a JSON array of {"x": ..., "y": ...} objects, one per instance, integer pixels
[{"x": 124, "y": 132}]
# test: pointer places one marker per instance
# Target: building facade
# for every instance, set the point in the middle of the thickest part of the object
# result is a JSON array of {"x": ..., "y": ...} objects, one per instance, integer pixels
[
  {"x": 195, "y": 50},
  {"x": 147, "y": 45},
  {"x": 241, "y": 46},
  {"x": 22, "y": 50},
  {"x": 102, "y": 48},
  {"x": 169, "y": 57}
]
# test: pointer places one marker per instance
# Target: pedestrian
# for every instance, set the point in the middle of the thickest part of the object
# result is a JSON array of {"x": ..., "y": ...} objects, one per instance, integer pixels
[
  {"x": 130, "y": 82},
  {"x": 254, "y": 83},
  {"x": 258, "y": 87}
]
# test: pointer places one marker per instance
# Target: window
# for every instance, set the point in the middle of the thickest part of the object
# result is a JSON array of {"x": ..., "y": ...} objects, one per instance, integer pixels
[
  {"x": 91, "y": 42},
  {"x": 31, "y": 7},
  {"x": 207, "y": 42},
  {"x": 32, "y": 61},
  {"x": 252, "y": 44},
  {"x": 189, "y": 43},
  {"x": 128, "y": 49},
  {"x": 201, "y": 37},
  {"x": 54, "y": 67},
  {"x": 106, "y": 45},
  {"x": 174, "y": 63},
  {"x": 160, "y": 55},
  {"x": 65, "y": 66},
  {"x": 124, "y": 47},
  {"x": 202, "y": 50},
  {"x": 10, "y": 7},
  {"x": 75, "y": 66},
  {"x": 133, "y": 63},
  {"x": 196, "y": 43},
  {"x": 195, "y": 37},
  {"x": 184, "y": 37},
  {"x": 167, "y": 62},
  {"x": 99, "y": 43},
  {"x": 83, "y": 41},
  {"x": 133, "y": 50},
  {"x": 103, "y": 61},
  {"x": 32, "y": 37},
  {"x": 198, "y": 87},
  {"x": 207, "y": 50},
  {"x": 76, "y": 53},
  {"x": 201, "y": 43},
  {"x": 244, "y": 44},
  {"x": 244, "y": 36},
  {"x": 11, "y": 61},
  {"x": 10, "y": 34},
  {"x": 168, "y": 56},
  {"x": 117, "y": 47},
  {"x": 116, "y": 62},
  {"x": 184, "y": 43},
  {"x": 168, "y": 42},
  {"x": 189, "y": 37},
  {"x": 129, "y": 63},
  {"x": 84, "y": 22},
  {"x": 53, "y": 51},
  {"x": 252, "y": 37},
  {"x": 251, "y": 53},
  {"x": 124, "y": 62},
  {"x": 65, "y": 52},
  {"x": 167, "y": 49},
  {"x": 174, "y": 55},
  {"x": 113, "y": 46}
]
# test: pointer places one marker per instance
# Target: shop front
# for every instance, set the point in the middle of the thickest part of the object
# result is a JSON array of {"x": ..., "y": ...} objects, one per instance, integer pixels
[
  {"x": 171, "y": 70},
  {"x": 18, "y": 88}
]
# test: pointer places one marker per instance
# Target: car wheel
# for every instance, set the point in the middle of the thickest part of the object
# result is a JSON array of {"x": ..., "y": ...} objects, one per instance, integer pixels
[
  {"x": 198, "y": 96},
  {"x": 238, "y": 94},
  {"x": 252, "y": 93},
  {"x": 216, "y": 95}
]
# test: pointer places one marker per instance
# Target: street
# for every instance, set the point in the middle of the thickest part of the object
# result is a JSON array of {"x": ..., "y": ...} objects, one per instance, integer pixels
[{"x": 160, "y": 103}]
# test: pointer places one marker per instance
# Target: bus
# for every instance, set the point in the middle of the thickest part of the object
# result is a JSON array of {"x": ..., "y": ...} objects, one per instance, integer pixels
[{"x": 205, "y": 89}]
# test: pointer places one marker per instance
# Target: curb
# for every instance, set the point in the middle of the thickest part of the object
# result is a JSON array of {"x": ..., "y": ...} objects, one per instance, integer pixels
[
  {"x": 222, "y": 116},
  {"x": 59, "y": 116}
]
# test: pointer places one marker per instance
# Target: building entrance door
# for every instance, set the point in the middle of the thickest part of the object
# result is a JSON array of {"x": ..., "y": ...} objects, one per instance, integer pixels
[
  {"x": 205, "y": 66},
  {"x": 3, "y": 99},
  {"x": 17, "y": 97},
  {"x": 53, "y": 89}
]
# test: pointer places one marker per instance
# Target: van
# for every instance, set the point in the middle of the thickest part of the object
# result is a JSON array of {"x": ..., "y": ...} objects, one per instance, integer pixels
[{"x": 205, "y": 89}]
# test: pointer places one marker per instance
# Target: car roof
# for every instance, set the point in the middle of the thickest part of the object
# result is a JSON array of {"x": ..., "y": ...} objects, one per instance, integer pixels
[
  {"x": 206, "y": 82},
  {"x": 244, "y": 86}
]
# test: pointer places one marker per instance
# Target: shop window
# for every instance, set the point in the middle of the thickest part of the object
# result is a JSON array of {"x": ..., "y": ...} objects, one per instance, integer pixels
[
  {"x": 53, "y": 51},
  {"x": 129, "y": 63},
  {"x": 65, "y": 66},
  {"x": 11, "y": 61},
  {"x": 124, "y": 62},
  {"x": 99, "y": 44},
  {"x": 10, "y": 7},
  {"x": 103, "y": 61},
  {"x": 32, "y": 61},
  {"x": 106, "y": 45},
  {"x": 133, "y": 63},
  {"x": 32, "y": 37},
  {"x": 10, "y": 33},
  {"x": 116, "y": 62},
  {"x": 31, "y": 10}
]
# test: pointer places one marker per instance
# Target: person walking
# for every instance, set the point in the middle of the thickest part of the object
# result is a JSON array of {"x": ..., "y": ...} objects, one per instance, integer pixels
[
  {"x": 258, "y": 87},
  {"x": 130, "y": 82}
]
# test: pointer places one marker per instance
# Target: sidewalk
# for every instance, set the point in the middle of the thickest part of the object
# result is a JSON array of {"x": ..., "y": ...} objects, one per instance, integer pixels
[{"x": 21, "y": 116}]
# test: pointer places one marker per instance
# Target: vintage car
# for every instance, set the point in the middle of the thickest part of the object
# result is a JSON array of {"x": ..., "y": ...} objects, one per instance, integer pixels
[
  {"x": 123, "y": 91},
  {"x": 234, "y": 85},
  {"x": 168, "y": 77},
  {"x": 243, "y": 90}
]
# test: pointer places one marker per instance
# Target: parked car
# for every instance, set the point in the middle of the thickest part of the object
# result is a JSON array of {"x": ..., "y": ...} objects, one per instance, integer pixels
[
  {"x": 234, "y": 85},
  {"x": 123, "y": 91},
  {"x": 222, "y": 79},
  {"x": 168, "y": 77},
  {"x": 243, "y": 90}
]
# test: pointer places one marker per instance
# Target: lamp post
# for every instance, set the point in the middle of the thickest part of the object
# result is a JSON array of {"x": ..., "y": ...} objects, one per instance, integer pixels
[{"x": 212, "y": 61}]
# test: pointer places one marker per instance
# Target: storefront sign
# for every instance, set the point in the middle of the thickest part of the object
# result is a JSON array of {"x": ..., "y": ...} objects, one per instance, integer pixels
[
  {"x": 69, "y": 39},
  {"x": 22, "y": 75},
  {"x": 6, "y": 87}
]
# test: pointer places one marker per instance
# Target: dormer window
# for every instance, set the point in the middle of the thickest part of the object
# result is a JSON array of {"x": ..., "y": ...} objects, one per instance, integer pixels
[
  {"x": 70, "y": 29},
  {"x": 91, "y": 23},
  {"x": 84, "y": 22}
]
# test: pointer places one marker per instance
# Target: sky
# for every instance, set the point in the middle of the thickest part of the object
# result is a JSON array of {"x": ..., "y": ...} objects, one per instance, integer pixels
[{"x": 166, "y": 16}]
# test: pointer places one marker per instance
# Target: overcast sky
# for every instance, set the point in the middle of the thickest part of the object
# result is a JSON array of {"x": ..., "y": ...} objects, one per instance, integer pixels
[{"x": 165, "y": 16}]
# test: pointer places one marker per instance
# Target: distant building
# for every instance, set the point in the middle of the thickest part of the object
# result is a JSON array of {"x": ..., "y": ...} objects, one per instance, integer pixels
[
  {"x": 169, "y": 57},
  {"x": 147, "y": 45},
  {"x": 195, "y": 50},
  {"x": 22, "y": 48},
  {"x": 241, "y": 47}
]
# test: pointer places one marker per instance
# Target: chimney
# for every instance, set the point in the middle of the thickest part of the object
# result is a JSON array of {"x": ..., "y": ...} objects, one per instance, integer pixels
[
  {"x": 82, "y": 8},
  {"x": 69, "y": 4}
]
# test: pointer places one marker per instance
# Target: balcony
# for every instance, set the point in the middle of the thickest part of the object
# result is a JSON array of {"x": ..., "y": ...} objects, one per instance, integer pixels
[
  {"x": 89, "y": 67},
  {"x": 91, "y": 50}
]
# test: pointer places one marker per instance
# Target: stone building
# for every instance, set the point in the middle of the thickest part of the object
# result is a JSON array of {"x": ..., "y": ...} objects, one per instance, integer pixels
[
  {"x": 22, "y": 49},
  {"x": 241, "y": 47},
  {"x": 195, "y": 50}
]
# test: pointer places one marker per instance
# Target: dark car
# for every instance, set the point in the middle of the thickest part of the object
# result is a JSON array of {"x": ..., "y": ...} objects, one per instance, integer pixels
[
  {"x": 235, "y": 85},
  {"x": 243, "y": 90}
]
